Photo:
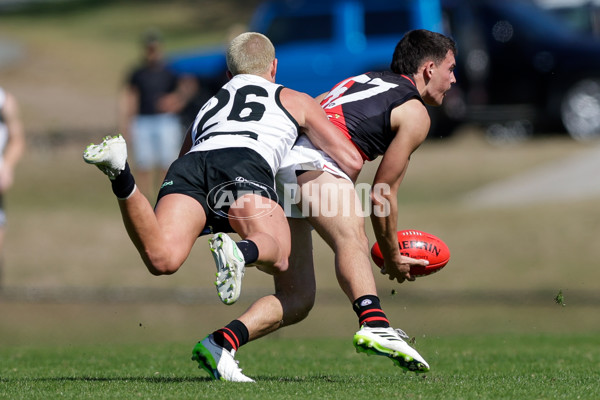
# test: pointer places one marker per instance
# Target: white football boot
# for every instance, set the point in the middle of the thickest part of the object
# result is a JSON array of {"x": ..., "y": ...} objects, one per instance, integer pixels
[
  {"x": 230, "y": 267},
  {"x": 218, "y": 362},
  {"x": 389, "y": 342},
  {"x": 109, "y": 156}
]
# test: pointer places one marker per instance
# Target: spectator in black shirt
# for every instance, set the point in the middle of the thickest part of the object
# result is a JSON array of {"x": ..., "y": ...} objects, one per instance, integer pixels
[{"x": 148, "y": 114}]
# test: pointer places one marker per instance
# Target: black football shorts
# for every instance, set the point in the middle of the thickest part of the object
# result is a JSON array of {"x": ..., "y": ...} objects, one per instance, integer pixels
[{"x": 216, "y": 178}]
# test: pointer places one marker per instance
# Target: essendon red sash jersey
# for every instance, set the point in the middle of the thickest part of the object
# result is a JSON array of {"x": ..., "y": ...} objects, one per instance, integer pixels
[{"x": 361, "y": 107}]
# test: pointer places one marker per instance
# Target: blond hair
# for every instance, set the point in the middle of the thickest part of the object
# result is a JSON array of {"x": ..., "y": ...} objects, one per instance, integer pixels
[{"x": 250, "y": 53}]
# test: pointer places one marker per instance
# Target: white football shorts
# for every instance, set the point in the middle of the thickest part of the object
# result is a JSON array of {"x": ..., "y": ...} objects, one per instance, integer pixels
[{"x": 302, "y": 157}]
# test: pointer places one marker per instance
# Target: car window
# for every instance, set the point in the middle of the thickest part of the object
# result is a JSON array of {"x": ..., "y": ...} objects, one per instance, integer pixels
[
  {"x": 287, "y": 29},
  {"x": 389, "y": 22}
]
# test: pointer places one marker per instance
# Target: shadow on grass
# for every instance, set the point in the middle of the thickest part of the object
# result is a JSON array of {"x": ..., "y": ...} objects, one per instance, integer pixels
[
  {"x": 183, "y": 379},
  {"x": 149, "y": 379}
]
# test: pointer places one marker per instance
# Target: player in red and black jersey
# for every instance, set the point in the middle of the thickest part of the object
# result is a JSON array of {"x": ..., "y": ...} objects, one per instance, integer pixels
[
  {"x": 361, "y": 107},
  {"x": 382, "y": 113}
]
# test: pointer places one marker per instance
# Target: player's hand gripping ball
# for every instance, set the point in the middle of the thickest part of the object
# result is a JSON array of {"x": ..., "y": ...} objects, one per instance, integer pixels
[{"x": 421, "y": 246}]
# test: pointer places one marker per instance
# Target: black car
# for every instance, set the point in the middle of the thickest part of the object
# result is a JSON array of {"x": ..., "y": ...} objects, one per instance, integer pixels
[{"x": 520, "y": 70}]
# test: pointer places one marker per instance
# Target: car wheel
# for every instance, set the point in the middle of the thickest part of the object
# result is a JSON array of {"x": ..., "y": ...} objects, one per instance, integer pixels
[{"x": 580, "y": 110}]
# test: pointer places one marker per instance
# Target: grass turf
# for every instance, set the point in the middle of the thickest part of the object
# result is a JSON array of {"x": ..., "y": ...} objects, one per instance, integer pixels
[
  {"x": 511, "y": 366},
  {"x": 526, "y": 249}
]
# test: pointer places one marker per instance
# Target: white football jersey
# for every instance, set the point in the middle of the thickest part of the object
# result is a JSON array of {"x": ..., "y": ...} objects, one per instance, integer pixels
[{"x": 246, "y": 112}]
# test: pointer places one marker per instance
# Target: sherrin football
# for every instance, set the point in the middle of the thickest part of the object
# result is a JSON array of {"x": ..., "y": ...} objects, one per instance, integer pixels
[{"x": 419, "y": 245}]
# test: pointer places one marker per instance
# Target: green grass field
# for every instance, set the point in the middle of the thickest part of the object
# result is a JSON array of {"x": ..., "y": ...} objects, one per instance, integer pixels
[
  {"x": 80, "y": 317},
  {"x": 465, "y": 367}
]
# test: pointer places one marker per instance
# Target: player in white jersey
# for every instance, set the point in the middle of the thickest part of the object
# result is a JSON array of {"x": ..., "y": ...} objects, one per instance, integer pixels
[
  {"x": 248, "y": 112},
  {"x": 382, "y": 113},
  {"x": 12, "y": 145},
  {"x": 226, "y": 180}
]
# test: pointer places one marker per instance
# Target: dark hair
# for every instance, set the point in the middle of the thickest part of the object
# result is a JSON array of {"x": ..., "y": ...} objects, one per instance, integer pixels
[{"x": 418, "y": 46}]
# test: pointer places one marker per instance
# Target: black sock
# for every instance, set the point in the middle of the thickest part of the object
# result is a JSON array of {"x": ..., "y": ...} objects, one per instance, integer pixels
[
  {"x": 369, "y": 312},
  {"x": 232, "y": 336},
  {"x": 124, "y": 184},
  {"x": 249, "y": 250}
]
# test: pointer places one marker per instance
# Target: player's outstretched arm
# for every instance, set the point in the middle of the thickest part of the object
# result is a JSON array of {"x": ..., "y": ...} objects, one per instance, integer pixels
[{"x": 411, "y": 123}]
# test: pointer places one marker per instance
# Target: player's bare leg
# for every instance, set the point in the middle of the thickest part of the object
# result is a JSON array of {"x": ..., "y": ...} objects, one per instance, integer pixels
[
  {"x": 342, "y": 230},
  {"x": 163, "y": 236},
  {"x": 263, "y": 227},
  {"x": 293, "y": 300},
  {"x": 295, "y": 288},
  {"x": 263, "y": 221}
]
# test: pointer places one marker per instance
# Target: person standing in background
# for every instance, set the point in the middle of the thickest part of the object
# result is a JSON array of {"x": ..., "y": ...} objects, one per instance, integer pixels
[
  {"x": 148, "y": 114},
  {"x": 12, "y": 146}
]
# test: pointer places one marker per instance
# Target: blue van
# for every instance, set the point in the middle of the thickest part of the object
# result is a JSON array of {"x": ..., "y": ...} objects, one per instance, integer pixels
[{"x": 321, "y": 42}]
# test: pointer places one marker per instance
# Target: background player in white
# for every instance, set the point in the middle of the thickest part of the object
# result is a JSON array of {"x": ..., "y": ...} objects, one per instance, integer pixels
[
  {"x": 382, "y": 113},
  {"x": 12, "y": 146},
  {"x": 239, "y": 139}
]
